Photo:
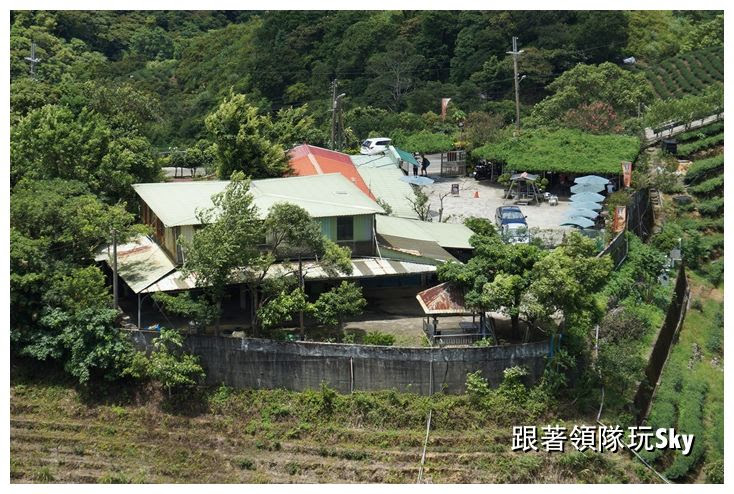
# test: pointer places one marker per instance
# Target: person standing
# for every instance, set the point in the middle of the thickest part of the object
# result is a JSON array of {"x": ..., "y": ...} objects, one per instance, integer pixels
[{"x": 424, "y": 165}]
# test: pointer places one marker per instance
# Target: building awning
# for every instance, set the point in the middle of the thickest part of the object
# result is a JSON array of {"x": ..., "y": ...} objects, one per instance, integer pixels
[
  {"x": 139, "y": 263},
  {"x": 443, "y": 299},
  {"x": 406, "y": 156},
  {"x": 361, "y": 268},
  {"x": 447, "y": 235},
  {"x": 434, "y": 253}
]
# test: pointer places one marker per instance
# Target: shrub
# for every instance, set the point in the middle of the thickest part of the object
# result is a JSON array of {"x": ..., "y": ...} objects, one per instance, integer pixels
[
  {"x": 477, "y": 387},
  {"x": 244, "y": 463},
  {"x": 622, "y": 324},
  {"x": 711, "y": 207},
  {"x": 168, "y": 364},
  {"x": 484, "y": 342},
  {"x": 378, "y": 338},
  {"x": 715, "y": 472},
  {"x": 43, "y": 475}
]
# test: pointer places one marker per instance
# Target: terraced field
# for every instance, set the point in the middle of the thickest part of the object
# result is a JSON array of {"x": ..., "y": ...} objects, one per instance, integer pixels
[
  {"x": 256, "y": 437},
  {"x": 690, "y": 73}
]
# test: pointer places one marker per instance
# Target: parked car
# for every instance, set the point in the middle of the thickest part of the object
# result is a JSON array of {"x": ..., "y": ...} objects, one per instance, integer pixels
[
  {"x": 512, "y": 225},
  {"x": 375, "y": 145}
]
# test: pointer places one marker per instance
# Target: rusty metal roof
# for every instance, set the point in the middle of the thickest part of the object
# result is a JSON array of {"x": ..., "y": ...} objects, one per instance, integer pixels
[{"x": 442, "y": 299}]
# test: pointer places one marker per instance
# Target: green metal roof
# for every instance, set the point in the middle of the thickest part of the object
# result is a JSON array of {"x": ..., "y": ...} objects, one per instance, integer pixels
[
  {"x": 176, "y": 203},
  {"x": 382, "y": 175},
  {"x": 447, "y": 235}
]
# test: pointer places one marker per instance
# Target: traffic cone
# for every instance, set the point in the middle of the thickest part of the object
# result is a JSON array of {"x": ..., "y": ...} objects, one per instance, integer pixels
[{"x": 476, "y": 194}]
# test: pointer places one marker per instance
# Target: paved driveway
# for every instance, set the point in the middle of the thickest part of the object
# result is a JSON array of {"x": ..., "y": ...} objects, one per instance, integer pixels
[{"x": 465, "y": 205}]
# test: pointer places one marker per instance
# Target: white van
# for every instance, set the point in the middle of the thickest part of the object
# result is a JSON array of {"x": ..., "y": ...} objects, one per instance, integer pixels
[{"x": 375, "y": 145}]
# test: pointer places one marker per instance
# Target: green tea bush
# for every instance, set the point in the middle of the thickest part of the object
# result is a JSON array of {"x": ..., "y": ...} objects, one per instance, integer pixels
[
  {"x": 700, "y": 170},
  {"x": 711, "y": 207},
  {"x": 707, "y": 188},
  {"x": 690, "y": 421},
  {"x": 715, "y": 341},
  {"x": 700, "y": 145},
  {"x": 701, "y": 132},
  {"x": 715, "y": 472}
]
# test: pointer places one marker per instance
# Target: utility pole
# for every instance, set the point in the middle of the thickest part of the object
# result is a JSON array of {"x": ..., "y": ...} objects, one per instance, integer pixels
[
  {"x": 33, "y": 60},
  {"x": 333, "y": 114},
  {"x": 516, "y": 54},
  {"x": 115, "y": 295},
  {"x": 337, "y": 123}
]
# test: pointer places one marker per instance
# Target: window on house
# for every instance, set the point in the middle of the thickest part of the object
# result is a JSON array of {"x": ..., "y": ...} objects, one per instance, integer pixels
[{"x": 345, "y": 228}]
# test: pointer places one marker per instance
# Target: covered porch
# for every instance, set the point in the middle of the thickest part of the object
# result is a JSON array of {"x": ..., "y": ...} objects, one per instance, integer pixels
[{"x": 459, "y": 326}]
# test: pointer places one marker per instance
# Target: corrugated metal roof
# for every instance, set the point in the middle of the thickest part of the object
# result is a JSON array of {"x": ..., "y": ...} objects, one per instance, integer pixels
[
  {"x": 382, "y": 175},
  {"x": 308, "y": 160},
  {"x": 362, "y": 268},
  {"x": 428, "y": 249},
  {"x": 442, "y": 299},
  {"x": 176, "y": 204},
  {"x": 140, "y": 262},
  {"x": 447, "y": 235}
]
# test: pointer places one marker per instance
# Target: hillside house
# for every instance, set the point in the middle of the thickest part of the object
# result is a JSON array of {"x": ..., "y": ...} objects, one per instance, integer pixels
[{"x": 345, "y": 213}]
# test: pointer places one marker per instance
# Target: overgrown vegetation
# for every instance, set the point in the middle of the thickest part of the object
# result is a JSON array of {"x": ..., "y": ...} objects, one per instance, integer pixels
[{"x": 564, "y": 150}]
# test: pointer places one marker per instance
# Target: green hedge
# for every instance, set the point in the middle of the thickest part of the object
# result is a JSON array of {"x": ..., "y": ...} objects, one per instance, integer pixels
[{"x": 564, "y": 150}]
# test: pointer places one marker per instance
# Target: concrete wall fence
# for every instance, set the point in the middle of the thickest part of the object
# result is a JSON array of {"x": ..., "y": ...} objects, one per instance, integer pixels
[
  {"x": 297, "y": 366},
  {"x": 667, "y": 335}
]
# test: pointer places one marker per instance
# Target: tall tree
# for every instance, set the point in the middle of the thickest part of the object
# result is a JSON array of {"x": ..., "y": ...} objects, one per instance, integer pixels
[
  {"x": 394, "y": 72},
  {"x": 227, "y": 243},
  {"x": 242, "y": 140}
]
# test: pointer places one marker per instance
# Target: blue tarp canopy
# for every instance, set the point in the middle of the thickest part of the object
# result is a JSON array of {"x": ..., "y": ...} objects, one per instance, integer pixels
[
  {"x": 594, "y": 206},
  {"x": 586, "y": 213},
  {"x": 579, "y": 188},
  {"x": 578, "y": 221},
  {"x": 587, "y": 197},
  {"x": 413, "y": 180},
  {"x": 591, "y": 179}
]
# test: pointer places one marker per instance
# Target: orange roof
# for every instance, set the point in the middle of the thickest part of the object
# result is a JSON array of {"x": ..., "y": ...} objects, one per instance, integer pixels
[{"x": 313, "y": 160}]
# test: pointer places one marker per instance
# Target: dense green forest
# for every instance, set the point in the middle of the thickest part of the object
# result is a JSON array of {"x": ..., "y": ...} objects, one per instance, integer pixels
[
  {"x": 167, "y": 70},
  {"x": 112, "y": 93}
]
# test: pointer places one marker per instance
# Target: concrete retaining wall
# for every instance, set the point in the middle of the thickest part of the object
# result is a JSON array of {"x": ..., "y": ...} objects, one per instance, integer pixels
[{"x": 258, "y": 363}]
